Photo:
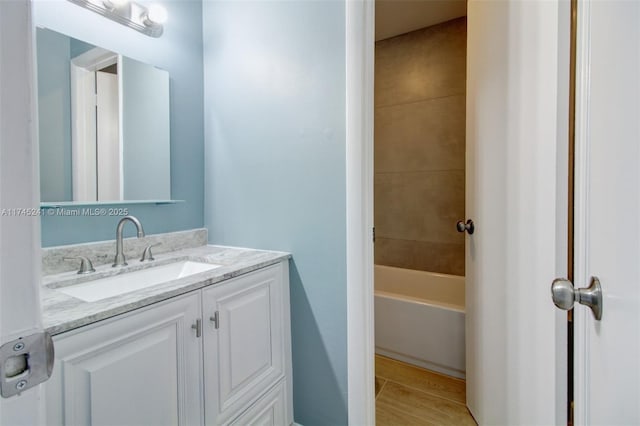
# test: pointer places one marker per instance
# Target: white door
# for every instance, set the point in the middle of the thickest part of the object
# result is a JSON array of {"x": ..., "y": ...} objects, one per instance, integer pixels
[
  {"x": 516, "y": 195},
  {"x": 19, "y": 200},
  {"x": 607, "y": 352}
]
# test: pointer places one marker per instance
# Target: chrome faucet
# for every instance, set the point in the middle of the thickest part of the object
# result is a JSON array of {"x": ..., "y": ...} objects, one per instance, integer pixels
[{"x": 120, "y": 260}]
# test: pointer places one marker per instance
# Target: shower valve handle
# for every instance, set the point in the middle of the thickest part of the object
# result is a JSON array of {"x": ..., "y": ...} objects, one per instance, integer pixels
[{"x": 461, "y": 226}]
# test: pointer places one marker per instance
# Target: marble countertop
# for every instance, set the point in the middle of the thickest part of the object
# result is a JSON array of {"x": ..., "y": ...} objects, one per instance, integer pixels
[{"x": 62, "y": 313}]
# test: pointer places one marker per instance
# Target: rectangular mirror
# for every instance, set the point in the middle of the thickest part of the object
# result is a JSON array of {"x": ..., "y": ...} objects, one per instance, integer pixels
[{"x": 104, "y": 131}]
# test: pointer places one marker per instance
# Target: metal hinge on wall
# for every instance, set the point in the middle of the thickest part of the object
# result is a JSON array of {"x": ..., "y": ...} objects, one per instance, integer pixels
[{"x": 373, "y": 233}]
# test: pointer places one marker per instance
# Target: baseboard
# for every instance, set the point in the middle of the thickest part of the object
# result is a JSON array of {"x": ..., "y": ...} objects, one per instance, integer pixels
[{"x": 421, "y": 363}]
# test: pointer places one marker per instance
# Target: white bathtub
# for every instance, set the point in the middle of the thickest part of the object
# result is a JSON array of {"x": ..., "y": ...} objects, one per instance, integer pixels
[{"x": 419, "y": 318}]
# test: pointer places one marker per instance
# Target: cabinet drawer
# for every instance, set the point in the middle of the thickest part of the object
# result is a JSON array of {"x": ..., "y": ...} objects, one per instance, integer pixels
[{"x": 267, "y": 411}]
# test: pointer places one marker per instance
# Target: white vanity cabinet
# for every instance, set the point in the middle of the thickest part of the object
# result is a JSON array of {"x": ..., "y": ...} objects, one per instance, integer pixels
[{"x": 153, "y": 366}]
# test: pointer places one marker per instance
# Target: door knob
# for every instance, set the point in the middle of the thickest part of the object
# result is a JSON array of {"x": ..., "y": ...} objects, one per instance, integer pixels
[
  {"x": 461, "y": 226},
  {"x": 564, "y": 295}
]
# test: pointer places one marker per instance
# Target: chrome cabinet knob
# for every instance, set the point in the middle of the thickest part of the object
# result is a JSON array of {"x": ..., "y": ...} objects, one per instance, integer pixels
[
  {"x": 461, "y": 226},
  {"x": 197, "y": 327},
  {"x": 564, "y": 295}
]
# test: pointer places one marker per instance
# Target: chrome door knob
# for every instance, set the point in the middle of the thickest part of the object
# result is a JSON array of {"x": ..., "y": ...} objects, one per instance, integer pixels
[
  {"x": 461, "y": 226},
  {"x": 564, "y": 295}
]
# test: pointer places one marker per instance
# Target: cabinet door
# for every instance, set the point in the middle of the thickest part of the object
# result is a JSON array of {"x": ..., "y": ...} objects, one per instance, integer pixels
[
  {"x": 244, "y": 350},
  {"x": 141, "y": 368}
]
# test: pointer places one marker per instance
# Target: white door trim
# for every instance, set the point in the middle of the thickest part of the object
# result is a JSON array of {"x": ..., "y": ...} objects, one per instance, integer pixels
[
  {"x": 83, "y": 123},
  {"x": 607, "y": 154},
  {"x": 581, "y": 202},
  {"x": 19, "y": 189},
  {"x": 359, "y": 134},
  {"x": 83, "y": 131}
]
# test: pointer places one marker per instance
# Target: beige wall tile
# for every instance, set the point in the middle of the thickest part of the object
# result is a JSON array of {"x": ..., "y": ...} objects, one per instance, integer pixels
[
  {"x": 420, "y": 148},
  {"x": 421, "y": 255},
  {"x": 420, "y": 136},
  {"x": 420, "y": 206},
  {"x": 423, "y": 64}
]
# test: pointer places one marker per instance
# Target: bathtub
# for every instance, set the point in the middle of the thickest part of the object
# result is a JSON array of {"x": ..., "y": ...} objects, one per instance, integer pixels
[{"x": 419, "y": 318}]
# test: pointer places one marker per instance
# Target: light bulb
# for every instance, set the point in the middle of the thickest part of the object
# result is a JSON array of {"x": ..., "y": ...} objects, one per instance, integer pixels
[{"x": 155, "y": 15}]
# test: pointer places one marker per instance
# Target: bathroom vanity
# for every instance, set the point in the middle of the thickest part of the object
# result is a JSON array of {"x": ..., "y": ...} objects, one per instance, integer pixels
[{"x": 212, "y": 347}]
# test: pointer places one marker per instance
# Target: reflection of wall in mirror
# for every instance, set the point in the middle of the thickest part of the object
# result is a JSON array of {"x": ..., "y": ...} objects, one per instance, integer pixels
[{"x": 145, "y": 127}]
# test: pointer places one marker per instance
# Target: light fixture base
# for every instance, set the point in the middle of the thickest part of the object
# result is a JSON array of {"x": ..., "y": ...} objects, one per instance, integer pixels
[{"x": 131, "y": 14}]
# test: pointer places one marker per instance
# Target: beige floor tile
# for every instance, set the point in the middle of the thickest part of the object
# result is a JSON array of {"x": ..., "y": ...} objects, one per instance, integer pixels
[
  {"x": 420, "y": 379},
  {"x": 432, "y": 409},
  {"x": 390, "y": 416}
]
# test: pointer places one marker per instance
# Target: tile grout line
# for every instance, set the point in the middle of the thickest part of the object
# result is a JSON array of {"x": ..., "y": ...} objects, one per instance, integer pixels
[
  {"x": 425, "y": 370},
  {"x": 415, "y": 241},
  {"x": 432, "y": 393},
  {"x": 421, "y": 419},
  {"x": 445, "y": 412},
  {"x": 381, "y": 389},
  {"x": 406, "y": 172},
  {"x": 417, "y": 101},
  {"x": 441, "y": 411},
  {"x": 419, "y": 390}
]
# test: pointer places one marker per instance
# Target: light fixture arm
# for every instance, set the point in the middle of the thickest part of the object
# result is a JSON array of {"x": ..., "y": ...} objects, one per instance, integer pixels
[{"x": 129, "y": 13}]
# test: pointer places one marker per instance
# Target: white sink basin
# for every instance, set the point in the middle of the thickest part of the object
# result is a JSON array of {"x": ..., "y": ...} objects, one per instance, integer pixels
[{"x": 125, "y": 283}]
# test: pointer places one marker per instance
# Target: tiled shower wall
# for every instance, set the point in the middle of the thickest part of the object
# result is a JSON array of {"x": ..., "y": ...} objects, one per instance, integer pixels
[{"x": 420, "y": 148}]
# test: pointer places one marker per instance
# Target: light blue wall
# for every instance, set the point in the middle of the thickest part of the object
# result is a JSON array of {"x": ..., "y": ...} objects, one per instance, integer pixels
[
  {"x": 145, "y": 128},
  {"x": 54, "y": 113},
  {"x": 178, "y": 51},
  {"x": 78, "y": 47},
  {"x": 275, "y": 169}
]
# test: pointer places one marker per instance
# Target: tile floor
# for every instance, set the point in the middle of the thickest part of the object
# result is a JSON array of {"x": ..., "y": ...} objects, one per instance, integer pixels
[{"x": 412, "y": 396}]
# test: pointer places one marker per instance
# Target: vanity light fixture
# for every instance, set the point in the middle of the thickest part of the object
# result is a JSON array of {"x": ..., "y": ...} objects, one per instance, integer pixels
[
  {"x": 145, "y": 19},
  {"x": 114, "y": 4},
  {"x": 155, "y": 15}
]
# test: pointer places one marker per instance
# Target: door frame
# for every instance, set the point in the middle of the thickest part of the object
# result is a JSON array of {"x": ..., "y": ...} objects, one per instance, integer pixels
[
  {"x": 581, "y": 217},
  {"x": 526, "y": 403},
  {"x": 20, "y": 266},
  {"x": 359, "y": 49},
  {"x": 605, "y": 147}
]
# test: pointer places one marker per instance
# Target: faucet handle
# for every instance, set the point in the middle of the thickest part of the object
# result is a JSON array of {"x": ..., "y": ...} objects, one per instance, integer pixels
[
  {"x": 146, "y": 254},
  {"x": 86, "y": 266}
]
